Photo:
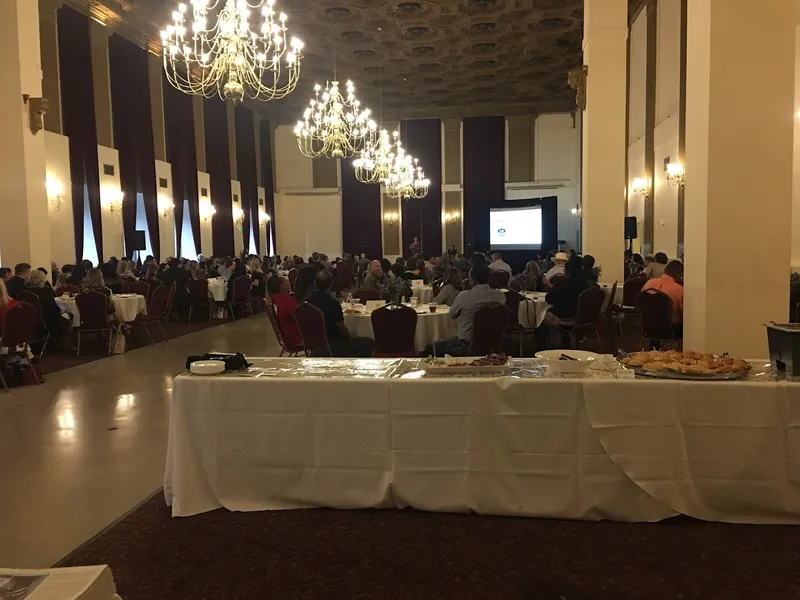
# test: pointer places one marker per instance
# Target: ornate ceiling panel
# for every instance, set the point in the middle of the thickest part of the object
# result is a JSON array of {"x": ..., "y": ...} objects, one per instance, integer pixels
[{"x": 417, "y": 57}]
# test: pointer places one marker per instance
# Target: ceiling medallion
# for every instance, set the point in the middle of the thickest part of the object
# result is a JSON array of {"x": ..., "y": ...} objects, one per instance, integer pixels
[{"x": 224, "y": 56}]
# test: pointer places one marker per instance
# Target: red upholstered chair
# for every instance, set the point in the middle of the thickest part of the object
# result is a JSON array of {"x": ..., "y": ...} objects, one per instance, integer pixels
[
  {"x": 40, "y": 326},
  {"x": 93, "y": 308},
  {"x": 241, "y": 296},
  {"x": 656, "y": 310},
  {"x": 142, "y": 288},
  {"x": 19, "y": 330},
  {"x": 312, "y": 328},
  {"x": 513, "y": 300},
  {"x": 365, "y": 295},
  {"x": 276, "y": 327},
  {"x": 126, "y": 285},
  {"x": 589, "y": 315},
  {"x": 499, "y": 279},
  {"x": 67, "y": 289},
  {"x": 198, "y": 296},
  {"x": 630, "y": 291},
  {"x": 156, "y": 313},
  {"x": 394, "y": 329},
  {"x": 488, "y": 326},
  {"x": 170, "y": 298},
  {"x": 609, "y": 312}
]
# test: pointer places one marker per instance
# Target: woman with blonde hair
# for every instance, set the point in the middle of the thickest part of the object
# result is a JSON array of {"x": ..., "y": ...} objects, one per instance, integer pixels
[
  {"x": 6, "y": 303},
  {"x": 259, "y": 278},
  {"x": 93, "y": 282}
]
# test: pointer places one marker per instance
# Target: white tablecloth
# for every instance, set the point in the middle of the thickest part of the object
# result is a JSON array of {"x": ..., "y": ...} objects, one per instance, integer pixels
[
  {"x": 431, "y": 327},
  {"x": 217, "y": 289},
  {"x": 424, "y": 293},
  {"x": 533, "y": 308},
  {"x": 126, "y": 307}
]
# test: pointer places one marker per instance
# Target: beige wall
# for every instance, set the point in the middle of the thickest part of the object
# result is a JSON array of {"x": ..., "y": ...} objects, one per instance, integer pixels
[
  {"x": 637, "y": 121},
  {"x": 62, "y": 230},
  {"x": 308, "y": 222}
]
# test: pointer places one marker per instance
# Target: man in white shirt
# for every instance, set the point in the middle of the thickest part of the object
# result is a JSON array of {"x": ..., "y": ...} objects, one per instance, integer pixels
[
  {"x": 497, "y": 264},
  {"x": 560, "y": 259}
]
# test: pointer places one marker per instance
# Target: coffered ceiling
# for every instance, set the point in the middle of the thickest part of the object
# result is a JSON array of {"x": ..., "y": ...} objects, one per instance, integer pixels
[{"x": 416, "y": 58}]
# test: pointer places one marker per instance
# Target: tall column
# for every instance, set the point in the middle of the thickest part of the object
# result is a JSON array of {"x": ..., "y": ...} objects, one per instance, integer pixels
[
  {"x": 24, "y": 226},
  {"x": 739, "y": 111},
  {"x": 603, "y": 186}
]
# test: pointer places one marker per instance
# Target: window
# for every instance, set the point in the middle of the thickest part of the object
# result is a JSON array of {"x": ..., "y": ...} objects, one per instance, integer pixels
[
  {"x": 187, "y": 239},
  {"x": 89, "y": 245}
]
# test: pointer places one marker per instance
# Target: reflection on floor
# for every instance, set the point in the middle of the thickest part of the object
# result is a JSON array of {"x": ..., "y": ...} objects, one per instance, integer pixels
[{"x": 81, "y": 450}]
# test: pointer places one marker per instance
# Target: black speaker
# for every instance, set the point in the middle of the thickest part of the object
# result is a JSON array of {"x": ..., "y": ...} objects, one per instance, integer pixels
[
  {"x": 138, "y": 240},
  {"x": 631, "y": 228}
]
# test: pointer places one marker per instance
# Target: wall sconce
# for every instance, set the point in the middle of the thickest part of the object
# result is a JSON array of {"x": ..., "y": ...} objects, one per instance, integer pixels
[
  {"x": 452, "y": 217},
  {"x": 675, "y": 174},
  {"x": 391, "y": 218},
  {"x": 640, "y": 186},
  {"x": 207, "y": 211},
  {"x": 165, "y": 206},
  {"x": 238, "y": 215},
  {"x": 577, "y": 211},
  {"x": 54, "y": 190},
  {"x": 111, "y": 197},
  {"x": 263, "y": 217}
]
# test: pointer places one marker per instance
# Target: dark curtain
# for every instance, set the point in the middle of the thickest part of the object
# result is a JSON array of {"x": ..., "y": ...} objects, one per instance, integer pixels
[
  {"x": 361, "y": 214},
  {"x": 484, "y": 177},
  {"x": 77, "y": 105},
  {"x": 267, "y": 182},
  {"x": 219, "y": 169},
  {"x": 133, "y": 137},
  {"x": 248, "y": 174},
  {"x": 422, "y": 138},
  {"x": 179, "y": 130}
]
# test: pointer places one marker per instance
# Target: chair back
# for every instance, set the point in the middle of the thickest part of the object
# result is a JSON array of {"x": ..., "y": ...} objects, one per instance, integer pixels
[
  {"x": 437, "y": 287},
  {"x": 590, "y": 306},
  {"x": 344, "y": 276},
  {"x": 198, "y": 291},
  {"x": 293, "y": 275},
  {"x": 488, "y": 325},
  {"x": 116, "y": 288},
  {"x": 30, "y": 298},
  {"x": 241, "y": 289},
  {"x": 513, "y": 298},
  {"x": 158, "y": 302},
  {"x": 656, "y": 310},
  {"x": 394, "y": 329},
  {"x": 19, "y": 326},
  {"x": 556, "y": 278},
  {"x": 153, "y": 284},
  {"x": 276, "y": 327},
  {"x": 312, "y": 327},
  {"x": 93, "y": 308},
  {"x": 499, "y": 279},
  {"x": 515, "y": 284},
  {"x": 170, "y": 297},
  {"x": 126, "y": 286},
  {"x": 142, "y": 288},
  {"x": 611, "y": 296},
  {"x": 465, "y": 284},
  {"x": 364, "y": 296},
  {"x": 67, "y": 289},
  {"x": 631, "y": 289}
]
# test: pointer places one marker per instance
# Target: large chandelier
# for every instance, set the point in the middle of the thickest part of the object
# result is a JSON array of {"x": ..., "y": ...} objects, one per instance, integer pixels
[
  {"x": 226, "y": 57},
  {"x": 406, "y": 178},
  {"x": 376, "y": 159},
  {"x": 334, "y": 125}
]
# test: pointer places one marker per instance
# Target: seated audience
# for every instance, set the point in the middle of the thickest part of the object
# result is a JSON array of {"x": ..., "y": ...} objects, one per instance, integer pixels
[
  {"x": 227, "y": 268},
  {"x": 563, "y": 298},
  {"x": 463, "y": 309},
  {"x": 559, "y": 266},
  {"x": 635, "y": 268},
  {"x": 338, "y": 335},
  {"x": 77, "y": 275},
  {"x": 415, "y": 269},
  {"x": 16, "y": 284},
  {"x": 6, "y": 303},
  {"x": 285, "y": 304},
  {"x": 374, "y": 277},
  {"x": 93, "y": 282},
  {"x": 111, "y": 277},
  {"x": 239, "y": 270},
  {"x": 5, "y": 274},
  {"x": 259, "y": 285},
  {"x": 125, "y": 270},
  {"x": 180, "y": 277},
  {"x": 66, "y": 271},
  {"x": 450, "y": 289},
  {"x": 532, "y": 279},
  {"x": 671, "y": 283},
  {"x": 588, "y": 268},
  {"x": 498, "y": 264},
  {"x": 386, "y": 267},
  {"x": 462, "y": 264},
  {"x": 38, "y": 284},
  {"x": 656, "y": 268},
  {"x": 400, "y": 261}
]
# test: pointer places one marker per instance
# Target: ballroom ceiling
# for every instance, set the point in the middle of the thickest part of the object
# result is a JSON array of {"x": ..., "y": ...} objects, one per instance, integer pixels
[{"x": 421, "y": 57}]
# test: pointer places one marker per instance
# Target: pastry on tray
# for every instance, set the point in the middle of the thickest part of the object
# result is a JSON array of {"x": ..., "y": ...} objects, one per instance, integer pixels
[{"x": 688, "y": 363}]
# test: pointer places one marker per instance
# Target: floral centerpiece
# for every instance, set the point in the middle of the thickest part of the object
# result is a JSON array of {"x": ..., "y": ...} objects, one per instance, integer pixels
[{"x": 395, "y": 289}]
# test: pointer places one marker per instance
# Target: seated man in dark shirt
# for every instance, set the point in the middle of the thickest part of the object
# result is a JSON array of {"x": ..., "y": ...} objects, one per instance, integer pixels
[{"x": 338, "y": 335}]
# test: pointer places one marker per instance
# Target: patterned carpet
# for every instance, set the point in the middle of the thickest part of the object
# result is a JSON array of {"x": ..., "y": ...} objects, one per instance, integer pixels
[{"x": 405, "y": 555}]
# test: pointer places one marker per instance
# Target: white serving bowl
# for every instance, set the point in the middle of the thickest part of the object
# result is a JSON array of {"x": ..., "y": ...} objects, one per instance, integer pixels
[
  {"x": 207, "y": 367},
  {"x": 581, "y": 365}
]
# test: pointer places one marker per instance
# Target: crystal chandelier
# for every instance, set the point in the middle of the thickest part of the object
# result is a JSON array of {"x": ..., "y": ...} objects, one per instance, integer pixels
[
  {"x": 333, "y": 125},
  {"x": 376, "y": 159},
  {"x": 406, "y": 178},
  {"x": 226, "y": 57}
]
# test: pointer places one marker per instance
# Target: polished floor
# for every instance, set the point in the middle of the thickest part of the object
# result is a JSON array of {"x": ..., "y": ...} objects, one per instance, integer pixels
[{"x": 87, "y": 446}]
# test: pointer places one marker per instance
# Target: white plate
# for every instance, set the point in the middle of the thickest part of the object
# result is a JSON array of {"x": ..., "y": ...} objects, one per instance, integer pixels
[{"x": 207, "y": 367}]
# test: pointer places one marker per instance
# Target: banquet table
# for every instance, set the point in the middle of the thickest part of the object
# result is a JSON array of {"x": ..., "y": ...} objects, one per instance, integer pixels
[
  {"x": 343, "y": 433},
  {"x": 217, "y": 289},
  {"x": 423, "y": 292},
  {"x": 431, "y": 327},
  {"x": 533, "y": 308},
  {"x": 126, "y": 307}
]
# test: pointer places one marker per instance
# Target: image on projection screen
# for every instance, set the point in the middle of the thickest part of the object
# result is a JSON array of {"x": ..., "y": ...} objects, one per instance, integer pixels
[{"x": 515, "y": 228}]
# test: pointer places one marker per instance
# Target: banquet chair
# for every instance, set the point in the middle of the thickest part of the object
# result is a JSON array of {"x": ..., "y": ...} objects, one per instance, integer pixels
[
  {"x": 437, "y": 287},
  {"x": 488, "y": 326},
  {"x": 276, "y": 327},
  {"x": 66, "y": 288},
  {"x": 198, "y": 297},
  {"x": 364, "y": 296},
  {"x": 588, "y": 317},
  {"x": 19, "y": 330},
  {"x": 40, "y": 326},
  {"x": 155, "y": 313},
  {"x": 169, "y": 300},
  {"x": 394, "y": 329},
  {"x": 140, "y": 288},
  {"x": 609, "y": 313},
  {"x": 126, "y": 286},
  {"x": 515, "y": 284},
  {"x": 630, "y": 291},
  {"x": 312, "y": 328},
  {"x": 293, "y": 275},
  {"x": 93, "y": 308},
  {"x": 499, "y": 279},
  {"x": 241, "y": 296},
  {"x": 514, "y": 327},
  {"x": 656, "y": 310}
]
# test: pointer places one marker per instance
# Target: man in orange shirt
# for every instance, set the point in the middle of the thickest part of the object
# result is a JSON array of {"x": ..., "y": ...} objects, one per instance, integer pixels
[{"x": 671, "y": 283}]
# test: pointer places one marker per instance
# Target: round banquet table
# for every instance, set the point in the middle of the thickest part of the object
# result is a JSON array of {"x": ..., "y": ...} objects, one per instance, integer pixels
[
  {"x": 217, "y": 289},
  {"x": 126, "y": 307},
  {"x": 431, "y": 327},
  {"x": 424, "y": 293},
  {"x": 533, "y": 308}
]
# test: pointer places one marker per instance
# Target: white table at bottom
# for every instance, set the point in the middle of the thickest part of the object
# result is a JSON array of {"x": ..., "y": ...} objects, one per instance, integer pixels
[{"x": 431, "y": 327}]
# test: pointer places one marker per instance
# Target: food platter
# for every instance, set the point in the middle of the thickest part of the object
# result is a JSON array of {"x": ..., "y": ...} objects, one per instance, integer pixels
[
  {"x": 686, "y": 366},
  {"x": 486, "y": 365}
]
